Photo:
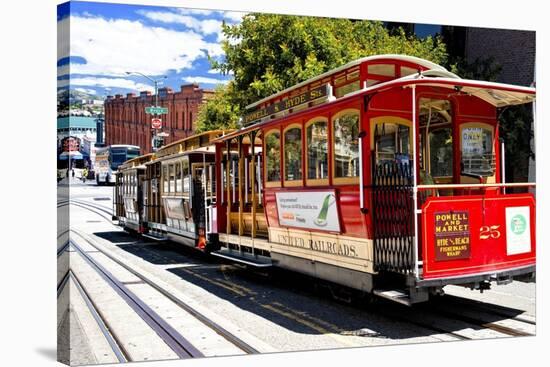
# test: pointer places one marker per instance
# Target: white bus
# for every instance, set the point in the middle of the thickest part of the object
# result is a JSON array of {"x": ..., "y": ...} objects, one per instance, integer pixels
[{"x": 108, "y": 159}]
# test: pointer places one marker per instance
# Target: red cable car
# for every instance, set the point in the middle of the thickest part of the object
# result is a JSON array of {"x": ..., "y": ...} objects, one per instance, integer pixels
[{"x": 383, "y": 175}]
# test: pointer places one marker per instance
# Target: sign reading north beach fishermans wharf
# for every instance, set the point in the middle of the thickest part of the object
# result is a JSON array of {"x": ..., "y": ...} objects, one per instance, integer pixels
[
  {"x": 452, "y": 235},
  {"x": 286, "y": 104}
]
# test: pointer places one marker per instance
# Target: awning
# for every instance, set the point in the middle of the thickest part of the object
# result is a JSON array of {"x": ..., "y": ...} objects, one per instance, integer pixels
[
  {"x": 72, "y": 154},
  {"x": 496, "y": 94}
]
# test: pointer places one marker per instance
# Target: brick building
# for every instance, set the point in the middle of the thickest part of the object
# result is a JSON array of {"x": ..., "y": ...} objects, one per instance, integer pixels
[
  {"x": 127, "y": 123},
  {"x": 513, "y": 50}
]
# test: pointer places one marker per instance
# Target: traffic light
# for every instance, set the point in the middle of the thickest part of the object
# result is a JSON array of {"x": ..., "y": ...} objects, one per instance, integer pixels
[{"x": 158, "y": 141}]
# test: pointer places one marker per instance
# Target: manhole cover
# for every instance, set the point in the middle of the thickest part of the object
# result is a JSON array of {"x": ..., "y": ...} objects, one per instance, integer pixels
[
  {"x": 99, "y": 199},
  {"x": 93, "y": 221}
]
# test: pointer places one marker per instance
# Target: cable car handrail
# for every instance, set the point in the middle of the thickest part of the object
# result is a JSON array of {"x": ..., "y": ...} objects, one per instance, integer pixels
[{"x": 473, "y": 186}]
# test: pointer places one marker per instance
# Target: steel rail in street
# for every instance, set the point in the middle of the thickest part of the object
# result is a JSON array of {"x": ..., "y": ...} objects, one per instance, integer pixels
[
  {"x": 179, "y": 344},
  {"x": 116, "y": 346},
  {"x": 245, "y": 347}
]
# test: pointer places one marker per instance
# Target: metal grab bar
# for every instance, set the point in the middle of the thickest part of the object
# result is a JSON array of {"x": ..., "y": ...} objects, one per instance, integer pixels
[{"x": 473, "y": 186}]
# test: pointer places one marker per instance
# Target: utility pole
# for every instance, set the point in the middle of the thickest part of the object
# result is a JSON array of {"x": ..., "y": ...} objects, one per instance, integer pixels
[{"x": 155, "y": 82}]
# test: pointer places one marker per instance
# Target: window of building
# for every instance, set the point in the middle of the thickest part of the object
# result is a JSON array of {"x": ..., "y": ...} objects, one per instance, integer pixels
[
  {"x": 346, "y": 146},
  {"x": 317, "y": 150},
  {"x": 273, "y": 157},
  {"x": 293, "y": 153}
]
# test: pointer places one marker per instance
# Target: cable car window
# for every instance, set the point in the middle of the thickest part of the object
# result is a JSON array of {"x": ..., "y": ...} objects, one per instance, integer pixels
[
  {"x": 317, "y": 150},
  {"x": 293, "y": 154},
  {"x": 347, "y": 88},
  {"x": 346, "y": 145},
  {"x": 392, "y": 143},
  {"x": 165, "y": 178},
  {"x": 273, "y": 156},
  {"x": 171, "y": 178},
  {"x": 178, "y": 177},
  {"x": 441, "y": 152},
  {"x": 477, "y": 151},
  {"x": 185, "y": 173}
]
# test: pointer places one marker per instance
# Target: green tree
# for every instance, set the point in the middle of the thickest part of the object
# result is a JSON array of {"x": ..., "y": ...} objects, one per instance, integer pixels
[
  {"x": 268, "y": 53},
  {"x": 219, "y": 111}
]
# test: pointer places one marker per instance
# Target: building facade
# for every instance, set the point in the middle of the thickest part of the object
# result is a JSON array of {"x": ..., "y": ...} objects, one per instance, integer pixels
[{"x": 126, "y": 121}]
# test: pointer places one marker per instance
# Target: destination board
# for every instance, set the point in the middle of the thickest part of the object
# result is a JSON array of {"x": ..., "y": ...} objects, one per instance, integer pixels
[
  {"x": 306, "y": 97},
  {"x": 452, "y": 235}
]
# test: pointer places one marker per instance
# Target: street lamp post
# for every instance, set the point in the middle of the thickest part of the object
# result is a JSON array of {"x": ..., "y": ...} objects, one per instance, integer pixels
[{"x": 155, "y": 82}]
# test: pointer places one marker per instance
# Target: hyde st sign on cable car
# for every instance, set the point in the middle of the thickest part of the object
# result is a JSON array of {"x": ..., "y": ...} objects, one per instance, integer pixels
[{"x": 383, "y": 175}]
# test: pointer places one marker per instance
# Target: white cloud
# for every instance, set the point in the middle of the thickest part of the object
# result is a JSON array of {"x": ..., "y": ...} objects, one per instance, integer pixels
[
  {"x": 203, "y": 26},
  {"x": 233, "y": 16},
  {"x": 86, "y": 90},
  {"x": 218, "y": 72},
  {"x": 204, "y": 80},
  {"x": 105, "y": 83},
  {"x": 186, "y": 11},
  {"x": 113, "y": 46},
  {"x": 206, "y": 27}
]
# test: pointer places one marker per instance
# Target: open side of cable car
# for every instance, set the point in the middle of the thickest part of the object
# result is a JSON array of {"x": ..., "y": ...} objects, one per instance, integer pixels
[
  {"x": 383, "y": 175},
  {"x": 129, "y": 193},
  {"x": 171, "y": 195}
]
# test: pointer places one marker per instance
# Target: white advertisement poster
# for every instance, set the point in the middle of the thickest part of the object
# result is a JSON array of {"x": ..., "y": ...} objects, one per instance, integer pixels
[
  {"x": 518, "y": 230},
  {"x": 315, "y": 210}
]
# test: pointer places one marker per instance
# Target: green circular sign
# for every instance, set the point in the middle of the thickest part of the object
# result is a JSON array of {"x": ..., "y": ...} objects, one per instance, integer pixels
[{"x": 518, "y": 224}]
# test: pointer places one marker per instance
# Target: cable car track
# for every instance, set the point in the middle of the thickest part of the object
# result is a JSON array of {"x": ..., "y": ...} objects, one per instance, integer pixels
[
  {"x": 398, "y": 315},
  {"x": 180, "y": 345},
  {"x": 116, "y": 346},
  {"x": 245, "y": 347}
]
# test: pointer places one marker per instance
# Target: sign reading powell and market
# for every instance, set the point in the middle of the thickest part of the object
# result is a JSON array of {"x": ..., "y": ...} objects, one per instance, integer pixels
[
  {"x": 452, "y": 235},
  {"x": 305, "y": 209},
  {"x": 291, "y": 102}
]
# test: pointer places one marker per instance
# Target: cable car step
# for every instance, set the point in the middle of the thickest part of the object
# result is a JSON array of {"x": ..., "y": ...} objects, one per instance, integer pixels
[
  {"x": 395, "y": 295},
  {"x": 244, "y": 258}
]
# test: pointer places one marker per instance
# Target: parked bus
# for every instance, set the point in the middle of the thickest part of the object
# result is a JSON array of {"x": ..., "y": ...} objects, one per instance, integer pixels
[{"x": 108, "y": 159}]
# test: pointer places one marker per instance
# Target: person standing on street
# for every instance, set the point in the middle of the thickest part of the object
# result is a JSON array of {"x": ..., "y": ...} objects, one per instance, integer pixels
[{"x": 84, "y": 174}]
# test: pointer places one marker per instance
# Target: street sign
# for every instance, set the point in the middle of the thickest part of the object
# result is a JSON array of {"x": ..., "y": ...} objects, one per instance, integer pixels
[
  {"x": 156, "y": 110},
  {"x": 156, "y": 123}
]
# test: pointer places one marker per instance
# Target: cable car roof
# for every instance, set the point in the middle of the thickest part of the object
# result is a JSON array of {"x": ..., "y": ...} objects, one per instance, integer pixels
[
  {"x": 191, "y": 143},
  {"x": 412, "y": 59},
  {"x": 496, "y": 94}
]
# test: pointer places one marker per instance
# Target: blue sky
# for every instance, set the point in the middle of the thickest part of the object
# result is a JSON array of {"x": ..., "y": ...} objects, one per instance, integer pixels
[{"x": 106, "y": 40}]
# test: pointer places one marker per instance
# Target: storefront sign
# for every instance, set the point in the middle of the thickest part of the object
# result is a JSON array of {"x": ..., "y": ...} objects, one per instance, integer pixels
[
  {"x": 286, "y": 104},
  {"x": 305, "y": 209},
  {"x": 452, "y": 235},
  {"x": 518, "y": 230}
]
